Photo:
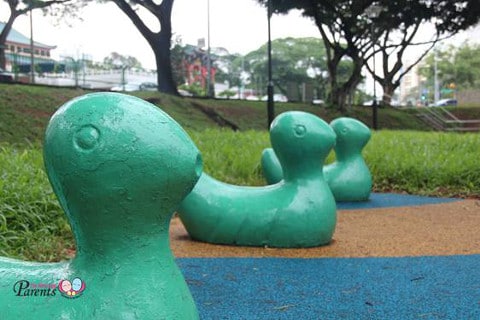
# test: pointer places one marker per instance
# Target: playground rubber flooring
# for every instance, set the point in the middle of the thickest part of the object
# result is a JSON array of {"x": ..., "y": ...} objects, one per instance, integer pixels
[{"x": 393, "y": 257}]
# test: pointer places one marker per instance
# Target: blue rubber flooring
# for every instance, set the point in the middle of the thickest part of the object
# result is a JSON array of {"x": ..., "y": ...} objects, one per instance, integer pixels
[
  {"x": 388, "y": 200},
  {"x": 443, "y": 287}
]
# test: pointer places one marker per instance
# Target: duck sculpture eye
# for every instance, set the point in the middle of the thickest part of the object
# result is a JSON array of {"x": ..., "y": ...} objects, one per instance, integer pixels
[
  {"x": 86, "y": 138},
  {"x": 300, "y": 130}
]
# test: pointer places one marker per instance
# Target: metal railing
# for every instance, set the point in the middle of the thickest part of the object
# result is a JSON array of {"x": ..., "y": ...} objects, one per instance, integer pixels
[{"x": 441, "y": 119}]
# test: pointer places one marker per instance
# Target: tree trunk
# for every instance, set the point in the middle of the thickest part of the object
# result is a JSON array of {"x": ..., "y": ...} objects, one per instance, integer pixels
[
  {"x": 161, "y": 49},
  {"x": 3, "y": 39},
  {"x": 160, "y": 42},
  {"x": 340, "y": 93},
  {"x": 388, "y": 90}
]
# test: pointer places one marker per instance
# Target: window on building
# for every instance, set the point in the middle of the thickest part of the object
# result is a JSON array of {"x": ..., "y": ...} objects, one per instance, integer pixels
[
  {"x": 37, "y": 52},
  {"x": 12, "y": 48},
  {"x": 19, "y": 49},
  {"x": 42, "y": 52},
  {"x": 27, "y": 50}
]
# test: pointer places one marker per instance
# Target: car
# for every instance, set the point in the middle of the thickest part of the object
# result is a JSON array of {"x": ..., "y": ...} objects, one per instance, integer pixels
[
  {"x": 6, "y": 76},
  {"x": 276, "y": 97},
  {"x": 318, "y": 102},
  {"x": 369, "y": 103},
  {"x": 445, "y": 103},
  {"x": 252, "y": 98},
  {"x": 148, "y": 86},
  {"x": 129, "y": 87}
]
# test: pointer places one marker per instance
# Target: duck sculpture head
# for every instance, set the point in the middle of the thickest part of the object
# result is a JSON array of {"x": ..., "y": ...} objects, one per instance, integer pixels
[
  {"x": 352, "y": 137},
  {"x": 301, "y": 142}
]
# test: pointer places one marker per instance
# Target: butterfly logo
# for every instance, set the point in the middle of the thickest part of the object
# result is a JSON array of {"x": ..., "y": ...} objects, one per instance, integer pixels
[{"x": 73, "y": 289}]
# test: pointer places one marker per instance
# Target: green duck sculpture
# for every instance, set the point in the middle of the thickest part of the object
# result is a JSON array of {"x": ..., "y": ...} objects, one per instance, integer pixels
[
  {"x": 119, "y": 167},
  {"x": 348, "y": 177},
  {"x": 299, "y": 211}
]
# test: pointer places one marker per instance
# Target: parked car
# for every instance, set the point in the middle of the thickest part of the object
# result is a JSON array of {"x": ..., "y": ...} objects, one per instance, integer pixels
[
  {"x": 445, "y": 103},
  {"x": 6, "y": 76},
  {"x": 129, "y": 87},
  {"x": 148, "y": 86},
  {"x": 277, "y": 97},
  {"x": 369, "y": 103},
  {"x": 318, "y": 102}
]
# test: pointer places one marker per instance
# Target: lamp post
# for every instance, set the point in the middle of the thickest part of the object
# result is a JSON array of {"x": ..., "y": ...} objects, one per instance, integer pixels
[
  {"x": 372, "y": 12},
  {"x": 32, "y": 63},
  {"x": 436, "y": 95},
  {"x": 210, "y": 91},
  {"x": 270, "y": 105}
]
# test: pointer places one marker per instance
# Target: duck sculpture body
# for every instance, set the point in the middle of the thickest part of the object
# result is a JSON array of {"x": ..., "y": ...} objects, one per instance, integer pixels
[
  {"x": 299, "y": 211},
  {"x": 119, "y": 167},
  {"x": 348, "y": 177}
]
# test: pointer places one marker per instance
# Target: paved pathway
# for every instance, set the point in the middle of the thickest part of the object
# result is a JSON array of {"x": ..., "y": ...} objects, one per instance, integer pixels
[{"x": 396, "y": 257}]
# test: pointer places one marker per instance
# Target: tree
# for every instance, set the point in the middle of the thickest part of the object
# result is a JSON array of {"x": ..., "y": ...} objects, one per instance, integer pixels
[
  {"x": 457, "y": 68},
  {"x": 341, "y": 32},
  {"x": 397, "y": 25},
  {"x": 20, "y": 7},
  {"x": 346, "y": 29},
  {"x": 115, "y": 60},
  {"x": 159, "y": 41},
  {"x": 294, "y": 60}
]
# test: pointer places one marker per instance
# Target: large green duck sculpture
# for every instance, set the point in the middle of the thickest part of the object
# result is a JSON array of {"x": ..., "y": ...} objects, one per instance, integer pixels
[
  {"x": 119, "y": 167},
  {"x": 299, "y": 211},
  {"x": 348, "y": 177}
]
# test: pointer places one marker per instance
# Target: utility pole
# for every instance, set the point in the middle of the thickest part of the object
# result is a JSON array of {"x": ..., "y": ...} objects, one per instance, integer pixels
[
  {"x": 270, "y": 104},
  {"x": 436, "y": 91},
  {"x": 210, "y": 85},
  {"x": 32, "y": 62},
  {"x": 373, "y": 11}
]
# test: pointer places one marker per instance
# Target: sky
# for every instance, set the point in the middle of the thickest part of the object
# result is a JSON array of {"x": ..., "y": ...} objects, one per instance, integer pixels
[{"x": 240, "y": 26}]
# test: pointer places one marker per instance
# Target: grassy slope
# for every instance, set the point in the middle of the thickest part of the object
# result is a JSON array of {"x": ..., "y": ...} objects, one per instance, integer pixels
[
  {"x": 32, "y": 226},
  {"x": 25, "y": 110}
]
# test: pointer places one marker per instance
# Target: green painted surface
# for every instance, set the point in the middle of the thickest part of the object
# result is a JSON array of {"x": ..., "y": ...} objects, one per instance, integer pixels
[
  {"x": 348, "y": 177},
  {"x": 299, "y": 211},
  {"x": 119, "y": 167}
]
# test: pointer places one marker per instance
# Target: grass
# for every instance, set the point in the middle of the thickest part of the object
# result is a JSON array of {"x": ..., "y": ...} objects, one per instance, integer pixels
[
  {"x": 33, "y": 227},
  {"x": 440, "y": 164},
  {"x": 25, "y": 111}
]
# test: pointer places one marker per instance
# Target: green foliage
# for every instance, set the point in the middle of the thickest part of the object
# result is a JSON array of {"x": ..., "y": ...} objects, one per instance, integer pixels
[
  {"x": 195, "y": 89},
  {"x": 227, "y": 93},
  {"x": 294, "y": 60},
  {"x": 458, "y": 68},
  {"x": 233, "y": 157},
  {"x": 32, "y": 226},
  {"x": 117, "y": 60},
  {"x": 430, "y": 163}
]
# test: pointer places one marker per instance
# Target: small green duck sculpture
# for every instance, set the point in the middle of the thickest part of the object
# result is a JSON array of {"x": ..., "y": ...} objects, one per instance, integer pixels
[
  {"x": 120, "y": 167},
  {"x": 348, "y": 177},
  {"x": 299, "y": 211}
]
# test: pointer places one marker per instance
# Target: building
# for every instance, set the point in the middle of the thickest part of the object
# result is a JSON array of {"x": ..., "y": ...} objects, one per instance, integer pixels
[
  {"x": 195, "y": 64},
  {"x": 410, "y": 85},
  {"x": 18, "y": 53}
]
